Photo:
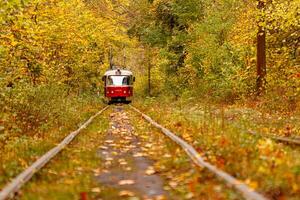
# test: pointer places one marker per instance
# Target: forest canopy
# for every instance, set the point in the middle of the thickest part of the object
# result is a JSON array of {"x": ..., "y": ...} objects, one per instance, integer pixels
[
  {"x": 192, "y": 48},
  {"x": 211, "y": 45}
]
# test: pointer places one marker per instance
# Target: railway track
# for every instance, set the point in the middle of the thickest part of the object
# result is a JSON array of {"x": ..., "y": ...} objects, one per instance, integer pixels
[
  {"x": 11, "y": 188},
  {"x": 287, "y": 140},
  {"x": 281, "y": 139}
]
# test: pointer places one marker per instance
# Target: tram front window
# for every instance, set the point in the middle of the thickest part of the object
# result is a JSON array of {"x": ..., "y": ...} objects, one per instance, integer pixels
[{"x": 118, "y": 80}]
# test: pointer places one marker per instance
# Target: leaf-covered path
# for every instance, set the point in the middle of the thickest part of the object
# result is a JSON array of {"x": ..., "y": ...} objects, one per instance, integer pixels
[
  {"x": 137, "y": 161},
  {"x": 125, "y": 166}
]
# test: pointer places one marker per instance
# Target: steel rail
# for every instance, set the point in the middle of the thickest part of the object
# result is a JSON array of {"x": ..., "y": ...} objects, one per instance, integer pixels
[
  {"x": 247, "y": 192},
  {"x": 289, "y": 140},
  {"x": 276, "y": 138},
  {"x": 15, "y": 185}
]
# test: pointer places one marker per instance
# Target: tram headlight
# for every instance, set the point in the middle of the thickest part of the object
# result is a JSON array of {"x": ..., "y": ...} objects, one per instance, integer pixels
[{"x": 125, "y": 92}]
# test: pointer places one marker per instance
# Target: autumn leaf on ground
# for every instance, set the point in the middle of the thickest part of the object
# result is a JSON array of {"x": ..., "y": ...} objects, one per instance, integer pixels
[
  {"x": 126, "y": 193},
  {"x": 96, "y": 190},
  {"x": 128, "y": 168},
  {"x": 97, "y": 172},
  {"x": 167, "y": 156},
  {"x": 189, "y": 196},
  {"x": 150, "y": 170},
  {"x": 126, "y": 182},
  {"x": 173, "y": 184},
  {"x": 103, "y": 147},
  {"x": 122, "y": 161},
  {"x": 160, "y": 197},
  {"x": 138, "y": 155},
  {"x": 109, "y": 159},
  {"x": 148, "y": 145}
]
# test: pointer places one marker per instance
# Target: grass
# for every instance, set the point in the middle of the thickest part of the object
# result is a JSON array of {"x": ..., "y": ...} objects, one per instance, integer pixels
[
  {"x": 18, "y": 151},
  {"x": 269, "y": 167},
  {"x": 183, "y": 179},
  {"x": 71, "y": 172}
]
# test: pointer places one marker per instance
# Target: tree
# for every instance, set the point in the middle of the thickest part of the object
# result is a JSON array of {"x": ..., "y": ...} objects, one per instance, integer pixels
[{"x": 261, "y": 50}]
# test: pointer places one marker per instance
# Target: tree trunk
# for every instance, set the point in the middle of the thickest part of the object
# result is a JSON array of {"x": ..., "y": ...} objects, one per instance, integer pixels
[{"x": 261, "y": 54}]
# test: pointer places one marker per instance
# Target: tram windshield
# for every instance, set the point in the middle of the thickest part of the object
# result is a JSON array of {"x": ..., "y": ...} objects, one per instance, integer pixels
[{"x": 118, "y": 80}]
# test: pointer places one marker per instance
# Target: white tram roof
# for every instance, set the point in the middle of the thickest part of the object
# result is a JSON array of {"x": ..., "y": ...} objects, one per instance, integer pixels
[{"x": 114, "y": 72}]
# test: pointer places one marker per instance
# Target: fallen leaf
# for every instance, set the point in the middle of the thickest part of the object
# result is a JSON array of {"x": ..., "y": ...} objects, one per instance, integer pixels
[
  {"x": 96, "y": 190},
  {"x": 128, "y": 138},
  {"x": 133, "y": 198},
  {"x": 126, "y": 193},
  {"x": 148, "y": 145},
  {"x": 122, "y": 161},
  {"x": 138, "y": 155},
  {"x": 167, "y": 156},
  {"x": 150, "y": 171},
  {"x": 126, "y": 182},
  {"x": 160, "y": 197},
  {"x": 252, "y": 184},
  {"x": 109, "y": 159},
  {"x": 69, "y": 181},
  {"x": 52, "y": 172},
  {"x": 189, "y": 195},
  {"x": 173, "y": 184},
  {"x": 108, "y": 162},
  {"x": 128, "y": 168},
  {"x": 97, "y": 172}
]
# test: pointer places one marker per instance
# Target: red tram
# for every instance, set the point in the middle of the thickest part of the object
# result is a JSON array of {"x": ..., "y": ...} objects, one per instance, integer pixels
[{"x": 118, "y": 85}]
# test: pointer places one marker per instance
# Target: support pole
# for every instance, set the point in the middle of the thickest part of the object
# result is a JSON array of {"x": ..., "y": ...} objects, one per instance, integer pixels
[
  {"x": 110, "y": 58},
  {"x": 149, "y": 73}
]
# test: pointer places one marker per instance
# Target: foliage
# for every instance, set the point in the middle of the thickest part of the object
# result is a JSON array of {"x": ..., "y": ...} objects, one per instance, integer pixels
[
  {"x": 209, "y": 47},
  {"x": 220, "y": 134},
  {"x": 69, "y": 169},
  {"x": 50, "y": 52},
  {"x": 54, "y": 52}
]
